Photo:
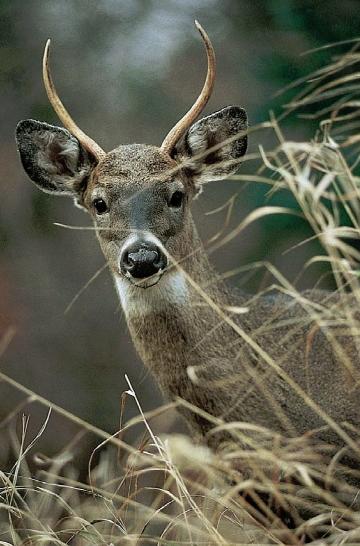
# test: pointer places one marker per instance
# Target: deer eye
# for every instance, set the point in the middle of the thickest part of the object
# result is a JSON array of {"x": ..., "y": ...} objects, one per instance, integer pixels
[
  {"x": 176, "y": 199},
  {"x": 100, "y": 206}
]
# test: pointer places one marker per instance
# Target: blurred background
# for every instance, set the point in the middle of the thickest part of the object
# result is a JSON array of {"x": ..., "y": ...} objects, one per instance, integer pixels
[{"x": 127, "y": 70}]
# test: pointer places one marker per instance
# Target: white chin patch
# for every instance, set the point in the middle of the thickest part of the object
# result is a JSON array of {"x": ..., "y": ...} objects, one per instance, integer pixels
[{"x": 139, "y": 299}]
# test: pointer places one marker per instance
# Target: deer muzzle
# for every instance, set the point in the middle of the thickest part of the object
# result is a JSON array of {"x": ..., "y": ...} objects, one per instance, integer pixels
[{"x": 142, "y": 260}]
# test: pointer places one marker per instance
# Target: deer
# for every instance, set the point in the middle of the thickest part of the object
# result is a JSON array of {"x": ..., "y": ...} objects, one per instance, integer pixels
[{"x": 288, "y": 377}]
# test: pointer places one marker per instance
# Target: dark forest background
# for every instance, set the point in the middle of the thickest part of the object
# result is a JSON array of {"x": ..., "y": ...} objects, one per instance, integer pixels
[{"x": 127, "y": 70}]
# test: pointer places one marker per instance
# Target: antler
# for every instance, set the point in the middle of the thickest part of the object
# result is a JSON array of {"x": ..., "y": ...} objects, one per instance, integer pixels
[
  {"x": 179, "y": 129},
  {"x": 89, "y": 144}
]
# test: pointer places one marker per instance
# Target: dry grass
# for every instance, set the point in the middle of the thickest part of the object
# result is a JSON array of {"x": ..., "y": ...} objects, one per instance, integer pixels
[{"x": 168, "y": 491}]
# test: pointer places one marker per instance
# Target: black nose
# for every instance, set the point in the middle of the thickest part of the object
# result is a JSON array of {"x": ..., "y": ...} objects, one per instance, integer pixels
[{"x": 142, "y": 260}]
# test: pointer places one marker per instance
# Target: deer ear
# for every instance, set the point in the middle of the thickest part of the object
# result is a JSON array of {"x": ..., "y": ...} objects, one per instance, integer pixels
[
  {"x": 212, "y": 147},
  {"x": 53, "y": 158}
]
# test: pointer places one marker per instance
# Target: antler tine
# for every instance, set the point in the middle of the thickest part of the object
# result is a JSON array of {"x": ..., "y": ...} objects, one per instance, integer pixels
[
  {"x": 89, "y": 144},
  {"x": 179, "y": 129}
]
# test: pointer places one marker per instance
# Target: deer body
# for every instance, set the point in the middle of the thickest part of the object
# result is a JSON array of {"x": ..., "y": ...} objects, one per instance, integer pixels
[
  {"x": 195, "y": 356},
  {"x": 139, "y": 198}
]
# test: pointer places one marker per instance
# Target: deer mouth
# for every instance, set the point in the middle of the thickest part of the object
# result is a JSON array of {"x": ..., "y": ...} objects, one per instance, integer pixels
[{"x": 146, "y": 282}]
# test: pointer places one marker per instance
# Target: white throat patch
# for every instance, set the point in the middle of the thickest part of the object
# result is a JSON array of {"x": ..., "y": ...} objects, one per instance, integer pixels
[{"x": 172, "y": 288}]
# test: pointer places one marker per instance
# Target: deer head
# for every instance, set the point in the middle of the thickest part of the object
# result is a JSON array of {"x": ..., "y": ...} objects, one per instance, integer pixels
[{"x": 139, "y": 196}]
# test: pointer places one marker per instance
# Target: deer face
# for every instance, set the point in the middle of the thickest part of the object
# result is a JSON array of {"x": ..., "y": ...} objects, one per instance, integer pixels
[
  {"x": 137, "y": 195},
  {"x": 139, "y": 200}
]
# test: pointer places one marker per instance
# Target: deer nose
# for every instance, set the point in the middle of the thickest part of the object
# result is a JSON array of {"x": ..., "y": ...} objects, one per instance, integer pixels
[{"x": 142, "y": 261}]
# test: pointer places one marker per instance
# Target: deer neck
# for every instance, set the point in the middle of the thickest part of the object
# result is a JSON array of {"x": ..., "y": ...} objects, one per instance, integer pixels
[{"x": 168, "y": 321}]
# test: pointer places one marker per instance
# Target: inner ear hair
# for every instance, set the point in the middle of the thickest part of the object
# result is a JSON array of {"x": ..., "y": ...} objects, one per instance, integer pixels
[
  {"x": 53, "y": 158},
  {"x": 57, "y": 154},
  {"x": 213, "y": 146}
]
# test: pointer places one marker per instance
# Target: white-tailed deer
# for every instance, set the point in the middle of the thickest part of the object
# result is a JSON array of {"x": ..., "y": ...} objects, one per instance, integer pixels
[{"x": 272, "y": 366}]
